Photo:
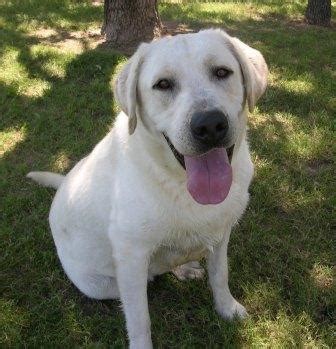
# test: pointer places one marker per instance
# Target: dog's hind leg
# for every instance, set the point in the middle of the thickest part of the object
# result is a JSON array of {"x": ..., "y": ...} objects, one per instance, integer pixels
[
  {"x": 190, "y": 270},
  {"x": 97, "y": 286}
]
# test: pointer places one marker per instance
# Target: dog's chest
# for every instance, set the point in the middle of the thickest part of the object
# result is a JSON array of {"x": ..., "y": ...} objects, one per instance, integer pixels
[
  {"x": 180, "y": 247},
  {"x": 189, "y": 227},
  {"x": 184, "y": 240},
  {"x": 190, "y": 239}
]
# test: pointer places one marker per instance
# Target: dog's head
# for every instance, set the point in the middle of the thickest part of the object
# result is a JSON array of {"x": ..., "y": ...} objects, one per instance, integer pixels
[{"x": 191, "y": 91}]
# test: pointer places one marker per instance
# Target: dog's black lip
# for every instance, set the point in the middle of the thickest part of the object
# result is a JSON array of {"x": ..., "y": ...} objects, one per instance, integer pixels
[
  {"x": 180, "y": 158},
  {"x": 230, "y": 152}
]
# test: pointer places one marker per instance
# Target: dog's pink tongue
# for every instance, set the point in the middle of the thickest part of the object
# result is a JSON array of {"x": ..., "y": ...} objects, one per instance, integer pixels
[{"x": 209, "y": 176}]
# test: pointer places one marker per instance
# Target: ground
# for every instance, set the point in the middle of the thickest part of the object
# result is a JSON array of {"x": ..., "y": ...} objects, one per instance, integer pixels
[{"x": 56, "y": 103}]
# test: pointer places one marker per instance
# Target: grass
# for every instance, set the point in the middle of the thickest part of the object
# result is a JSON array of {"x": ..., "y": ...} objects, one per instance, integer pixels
[{"x": 56, "y": 103}]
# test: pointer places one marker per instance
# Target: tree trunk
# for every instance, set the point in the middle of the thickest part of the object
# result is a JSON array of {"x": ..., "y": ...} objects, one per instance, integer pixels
[
  {"x": 319, "y": 12},
  {"x": 127, "y": 23}
]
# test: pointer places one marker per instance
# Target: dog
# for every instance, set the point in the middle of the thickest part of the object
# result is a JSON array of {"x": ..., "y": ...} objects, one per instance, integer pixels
[{"x": 164, "y": 188}]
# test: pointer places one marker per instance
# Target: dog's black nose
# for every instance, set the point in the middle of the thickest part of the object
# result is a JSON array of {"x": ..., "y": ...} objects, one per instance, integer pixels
[{"x": 210, "y": 127}]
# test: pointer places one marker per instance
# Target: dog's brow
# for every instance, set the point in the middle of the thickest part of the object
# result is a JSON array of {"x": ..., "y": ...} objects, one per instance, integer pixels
[
  {"x": 165, "y": 72},
  {"x": 213, "y": 60}
]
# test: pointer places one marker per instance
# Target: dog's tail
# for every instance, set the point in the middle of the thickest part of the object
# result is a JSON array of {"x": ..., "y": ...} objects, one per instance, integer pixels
[{"x": 47, "y": 179}]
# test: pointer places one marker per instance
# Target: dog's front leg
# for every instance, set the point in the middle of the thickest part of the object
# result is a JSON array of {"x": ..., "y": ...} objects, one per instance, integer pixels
[
  {"x": 132, "y": 272},
  {"x": 226, "y": 305}
]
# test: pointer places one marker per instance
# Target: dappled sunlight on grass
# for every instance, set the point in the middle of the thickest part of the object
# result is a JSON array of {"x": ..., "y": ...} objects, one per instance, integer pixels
[
  {"x": 229, "y": 12},
  {"x": 13, "y": 73},
  {"x": 60, "y": 162},
  {"x": 30, "y": 72},
  {"x": 323, "y": 276},
  {"x": 76, "y": 41},
  {"x": 262, "y": 299},
  {"x": 305, "y": 145},
  {"x": 302, "y": 83},
  {"x": 285, "y": 134},
  {"x": 34, "y": 88},
  {"x": 282, "y": 331},
  {"x": 60, "y": 14},
  {"x": 13, "y": 319},
  {"x": 10, "y": 138},
  {"x": 51, "y": 61}
]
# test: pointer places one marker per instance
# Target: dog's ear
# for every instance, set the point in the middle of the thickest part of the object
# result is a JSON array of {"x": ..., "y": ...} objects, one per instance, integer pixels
[
  {"x": 125, "y": 87},
  {"x": 254, "y": 69}
]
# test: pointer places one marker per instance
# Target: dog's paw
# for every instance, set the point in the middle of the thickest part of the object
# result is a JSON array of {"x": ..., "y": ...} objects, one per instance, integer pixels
[
  {"x": 232, "y": 310},
  {"x": 191, "y": 270}
]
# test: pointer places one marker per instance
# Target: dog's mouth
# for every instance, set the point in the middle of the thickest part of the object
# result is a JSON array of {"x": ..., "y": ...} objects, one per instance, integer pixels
[
  {"x": 209, "y": 176},
  {"x": 180, "y": 158}
]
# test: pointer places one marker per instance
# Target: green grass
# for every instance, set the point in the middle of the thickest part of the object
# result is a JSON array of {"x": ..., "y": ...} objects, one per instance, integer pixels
[{"x": 56, "y": 103}]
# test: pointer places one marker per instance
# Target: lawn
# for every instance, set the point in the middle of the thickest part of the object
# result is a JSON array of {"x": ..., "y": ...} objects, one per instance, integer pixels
[{"x": 56, "y": 103}]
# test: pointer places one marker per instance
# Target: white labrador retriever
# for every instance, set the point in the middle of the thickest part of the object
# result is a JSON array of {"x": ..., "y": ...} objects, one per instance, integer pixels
[{"x": 164, "y": 188}]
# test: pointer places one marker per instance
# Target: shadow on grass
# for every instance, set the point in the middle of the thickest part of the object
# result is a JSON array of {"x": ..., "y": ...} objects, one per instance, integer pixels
[
  {"x": 58, "y": 14},
  {"x": 68, "y": 109},
  {"x": 274, "y": 250}
]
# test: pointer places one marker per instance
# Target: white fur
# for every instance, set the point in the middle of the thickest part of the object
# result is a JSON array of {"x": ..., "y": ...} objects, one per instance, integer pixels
[
  {"x": 123, "y": 214},
  {"x": 47, "y": 179}
]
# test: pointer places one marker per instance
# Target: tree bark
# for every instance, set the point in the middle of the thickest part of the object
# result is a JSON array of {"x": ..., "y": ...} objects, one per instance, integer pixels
[
  {"x": 127, "y": 23},
  {"x": 319, "y": 12}
]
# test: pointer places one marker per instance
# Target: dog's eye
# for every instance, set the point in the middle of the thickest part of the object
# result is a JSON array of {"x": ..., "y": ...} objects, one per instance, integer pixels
[
  {"x": 163, "y": 84},
  {"x": 222, "y": 73}
]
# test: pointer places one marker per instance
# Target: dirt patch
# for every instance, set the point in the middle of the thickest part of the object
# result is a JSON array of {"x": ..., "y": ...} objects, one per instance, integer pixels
[
  {"x": 74, "y": 41},
  {"x": 174, "y": 28},
  {"x": 97, "y": 3},
  {"x": 303, "y": 24}
]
